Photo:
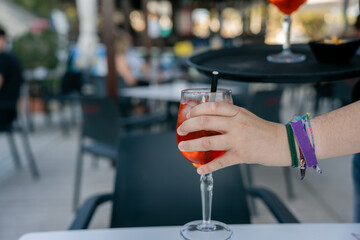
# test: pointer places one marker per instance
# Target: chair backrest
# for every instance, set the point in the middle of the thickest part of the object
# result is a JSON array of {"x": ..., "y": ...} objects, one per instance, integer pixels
[
  {"x": 156, "y": 186},
  {"x": 100, "y": 119},
  {"x": 266, "y": 104}
]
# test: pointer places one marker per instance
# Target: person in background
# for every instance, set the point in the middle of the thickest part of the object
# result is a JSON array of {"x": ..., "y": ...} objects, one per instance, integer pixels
[
  {"x": 132, "y": 71},
  {"x": 130, "y": 65},
  {"x": 10, "y": 83}
]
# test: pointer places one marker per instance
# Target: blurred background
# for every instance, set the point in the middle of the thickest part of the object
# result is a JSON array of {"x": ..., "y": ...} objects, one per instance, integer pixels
[{"x": 69, "y": 49}]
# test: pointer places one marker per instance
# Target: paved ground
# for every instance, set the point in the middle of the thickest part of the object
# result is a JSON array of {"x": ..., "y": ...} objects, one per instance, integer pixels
[{"x": 28, "y": 205}]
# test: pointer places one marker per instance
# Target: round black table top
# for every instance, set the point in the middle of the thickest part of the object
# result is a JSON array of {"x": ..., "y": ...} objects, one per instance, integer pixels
[{"x": 248, "y": 64}]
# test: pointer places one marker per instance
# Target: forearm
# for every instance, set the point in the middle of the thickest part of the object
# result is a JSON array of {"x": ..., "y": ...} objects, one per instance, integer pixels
[
  {"x": 337, "y": 133},
  {"x": 250, "y": 139}
]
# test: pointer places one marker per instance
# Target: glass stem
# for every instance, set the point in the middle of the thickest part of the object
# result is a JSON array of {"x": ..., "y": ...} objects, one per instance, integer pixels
[
  {"x": 286, "y": 29},
  {"x": 206, "y": 187}
]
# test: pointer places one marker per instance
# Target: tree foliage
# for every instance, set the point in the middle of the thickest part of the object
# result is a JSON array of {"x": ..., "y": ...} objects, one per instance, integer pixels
[
  {"x": 39, "y": 7},
  {"x": 37, "y": 50}
]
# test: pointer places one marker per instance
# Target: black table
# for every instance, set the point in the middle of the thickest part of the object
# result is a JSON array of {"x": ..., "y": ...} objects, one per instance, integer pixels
[{"x": 248, "y": 64}]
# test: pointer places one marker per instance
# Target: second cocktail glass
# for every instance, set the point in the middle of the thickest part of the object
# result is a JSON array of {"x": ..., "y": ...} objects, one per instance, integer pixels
[
  {"x": 287, "y": 56},
  {"x": 205, "y": 228}
]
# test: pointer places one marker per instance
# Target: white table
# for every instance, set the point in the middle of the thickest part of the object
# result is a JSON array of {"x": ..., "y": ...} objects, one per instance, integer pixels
[
  {"x": 332, "y": 231},
  {"x": 170, "y": 92}
]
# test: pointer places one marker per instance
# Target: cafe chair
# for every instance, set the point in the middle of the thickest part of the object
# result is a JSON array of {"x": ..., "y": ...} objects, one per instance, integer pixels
[
  {"x": 156, "y": 186},
  {"x": 101, "y": 127},
  {"x": 66, "y": 95},
  {"x": 9, "y": 124}
]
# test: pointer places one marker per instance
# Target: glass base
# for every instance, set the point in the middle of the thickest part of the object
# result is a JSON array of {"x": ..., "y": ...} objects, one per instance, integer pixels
[
  {"x": 286, "y": 57},
  {"x": 213, "y": 231}
]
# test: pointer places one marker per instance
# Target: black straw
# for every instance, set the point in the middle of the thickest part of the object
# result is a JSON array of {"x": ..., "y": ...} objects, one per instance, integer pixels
[{"x": 214, "y": 81}]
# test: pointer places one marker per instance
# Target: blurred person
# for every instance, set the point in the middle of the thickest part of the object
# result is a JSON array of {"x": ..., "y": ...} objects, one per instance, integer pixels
[
  {"x": 130, "y": 65},
  {"x": 10, "y": 83},
  {"x": 71, "y": 81},
  {"x": 132, "y": 71}
]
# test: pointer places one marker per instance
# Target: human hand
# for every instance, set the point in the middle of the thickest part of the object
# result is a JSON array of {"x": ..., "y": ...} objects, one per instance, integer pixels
[{"x": 246, "y": 137}]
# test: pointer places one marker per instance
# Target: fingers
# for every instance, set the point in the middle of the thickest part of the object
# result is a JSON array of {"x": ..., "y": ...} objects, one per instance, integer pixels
[
  {"x": 226, "y": 160},
  {"x": 208, "y": 123},
  {"x": 214, "y": 108},
  {"x": 217, "y": 143}
]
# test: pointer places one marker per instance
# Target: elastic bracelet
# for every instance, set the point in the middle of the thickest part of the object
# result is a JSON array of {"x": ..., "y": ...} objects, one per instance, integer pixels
[{"x": 290, "y": 135}]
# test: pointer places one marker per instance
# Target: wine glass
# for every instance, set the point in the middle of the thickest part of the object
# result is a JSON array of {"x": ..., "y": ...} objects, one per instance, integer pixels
[
  {"x": 205, "y": 228},
  {"x": 287, "y": 56}
]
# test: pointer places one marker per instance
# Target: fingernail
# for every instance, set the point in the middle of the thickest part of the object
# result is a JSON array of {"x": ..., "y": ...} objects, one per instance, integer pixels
[
  {"x": 179, "y": 131},
  {"x": 200, "y": 171},
  {"x": 188, "y": 115},
  {"x": 180, "y": 146}
]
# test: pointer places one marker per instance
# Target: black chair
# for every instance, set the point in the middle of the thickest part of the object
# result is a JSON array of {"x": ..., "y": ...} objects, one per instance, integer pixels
[
  {"x": 9, "y": 125},
  {"x": 101, "y": 127},
  {"x": 66, "y": 94},
  {"x": 156, "y": 186},
  {"x": 266, "y": 104}
]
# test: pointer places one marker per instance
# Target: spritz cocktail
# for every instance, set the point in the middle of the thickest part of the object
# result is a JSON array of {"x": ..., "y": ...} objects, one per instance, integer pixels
[
  {"x": 205, "y": 228},
  {"x": 287, "y": 56},
  {"x": 197, "y": 158}
]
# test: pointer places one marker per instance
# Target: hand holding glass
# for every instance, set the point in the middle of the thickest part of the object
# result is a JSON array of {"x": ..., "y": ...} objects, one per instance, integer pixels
[{"x": 206, "y": 228}]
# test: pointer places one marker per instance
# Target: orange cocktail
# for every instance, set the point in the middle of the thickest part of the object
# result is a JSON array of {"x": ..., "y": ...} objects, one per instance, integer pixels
[
  {"x": 287, "y": 6},
  {"x": 287, "y": 56},
  {"x": 197, "y": 158},
  {"x": 205, "y": 228}
]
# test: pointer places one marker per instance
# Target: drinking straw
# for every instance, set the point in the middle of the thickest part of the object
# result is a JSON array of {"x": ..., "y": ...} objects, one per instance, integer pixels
[{"x": 214, "y": 82}]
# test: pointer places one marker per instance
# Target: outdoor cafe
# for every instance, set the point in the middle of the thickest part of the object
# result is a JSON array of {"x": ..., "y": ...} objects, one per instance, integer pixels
[{"x": 158, "y": 119}]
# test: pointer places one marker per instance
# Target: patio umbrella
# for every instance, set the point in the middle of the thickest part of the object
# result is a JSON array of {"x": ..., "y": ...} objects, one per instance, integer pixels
[{"x": 88, "y": 39}]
